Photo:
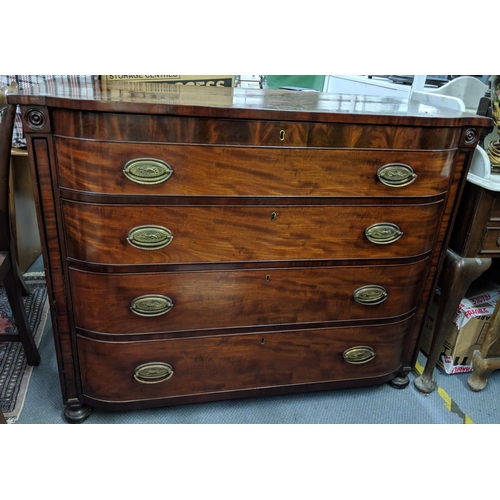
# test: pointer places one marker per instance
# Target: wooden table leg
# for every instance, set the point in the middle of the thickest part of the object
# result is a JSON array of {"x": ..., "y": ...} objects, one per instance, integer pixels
[
  {"x": 457, "y": 275},
  {"x": 487, "y": 359}
]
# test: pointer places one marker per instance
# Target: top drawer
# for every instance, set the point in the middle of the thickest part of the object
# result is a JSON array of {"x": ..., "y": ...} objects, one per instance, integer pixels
[
  {"x": 194, "y": 170},
  {"x": 238, "y": 132}
]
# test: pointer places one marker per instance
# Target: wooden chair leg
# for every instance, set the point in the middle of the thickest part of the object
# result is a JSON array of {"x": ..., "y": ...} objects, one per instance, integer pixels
[
  {"x": 19, "y": 275},
  {"x": 2, "y": 418},
  {"x": 24, "y": 287},
  {"x": 13, "y": 291}
]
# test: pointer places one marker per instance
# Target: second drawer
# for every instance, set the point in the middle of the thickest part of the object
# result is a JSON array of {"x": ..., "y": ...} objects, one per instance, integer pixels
[{"x": 133, "y": 234}]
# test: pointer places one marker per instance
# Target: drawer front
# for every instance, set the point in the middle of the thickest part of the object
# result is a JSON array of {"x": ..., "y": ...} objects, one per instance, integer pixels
[
  {"x": 218, "y": 171},
  {"x": 183, "y": 130},
  {"x": 134, "y": 234},
  {"x": 197, "y": 130},
  {"x": 177, "y": 301},
  {"x": 227, "y": 363},
  {"x": 495, "y": 206},
  {"x": 491, "y": 241}
]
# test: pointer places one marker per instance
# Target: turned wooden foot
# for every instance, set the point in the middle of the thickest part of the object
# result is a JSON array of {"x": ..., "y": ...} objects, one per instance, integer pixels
[
  {"x": 76, "y": 414},
  {"x": 482, "y": 368},
  {"x": 457, "y": 275},
  {"x": 399, "y": 382}
]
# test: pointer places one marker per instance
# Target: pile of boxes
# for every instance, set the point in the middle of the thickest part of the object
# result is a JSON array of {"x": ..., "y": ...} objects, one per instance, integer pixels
[{"x": 467, "y": 332}]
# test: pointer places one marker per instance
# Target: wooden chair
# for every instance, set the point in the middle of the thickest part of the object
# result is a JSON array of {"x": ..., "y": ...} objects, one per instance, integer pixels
[{"x": 10, "y": 275}]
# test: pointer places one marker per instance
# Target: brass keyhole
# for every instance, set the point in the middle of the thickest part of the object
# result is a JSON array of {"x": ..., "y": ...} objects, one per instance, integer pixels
[
  {"x": 282, "y": 135},
  {"x": 274, "y": 215},
  {"x": 268, "y": 278}
]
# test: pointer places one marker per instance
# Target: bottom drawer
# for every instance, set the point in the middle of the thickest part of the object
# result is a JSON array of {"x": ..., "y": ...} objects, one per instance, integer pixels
[{"x": 208, "y": 365}]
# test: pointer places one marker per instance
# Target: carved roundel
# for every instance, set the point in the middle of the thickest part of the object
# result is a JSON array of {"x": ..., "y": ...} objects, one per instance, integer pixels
[
  {"x": 36, "y": 119},
  {"x": 470, "y": 136}
]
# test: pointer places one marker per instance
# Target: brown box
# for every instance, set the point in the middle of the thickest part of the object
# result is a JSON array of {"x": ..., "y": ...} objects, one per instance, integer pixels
[
  {"x": 199, "y": 80},
  {"x": 466, "y": 332},
  {"x": 166, "y": 93}
]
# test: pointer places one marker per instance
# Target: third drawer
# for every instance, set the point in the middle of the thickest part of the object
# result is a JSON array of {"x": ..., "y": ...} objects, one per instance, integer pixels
[{"x": 196, "y": 300}]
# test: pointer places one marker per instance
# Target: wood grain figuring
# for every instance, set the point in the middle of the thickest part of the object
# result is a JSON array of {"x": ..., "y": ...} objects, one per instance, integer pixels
[
  {"x": 220, "y": 299},
  {"x": 233, "y": 233},
  {"x": 210, "y": 170},
  {"x": 186, "y": 130},
  {"x": 376, "y": 136},
  {"x": 218, "y": 364}
]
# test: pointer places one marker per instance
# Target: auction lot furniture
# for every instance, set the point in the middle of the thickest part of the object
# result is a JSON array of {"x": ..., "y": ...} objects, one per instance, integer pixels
[{"x": 205, "y": 244}]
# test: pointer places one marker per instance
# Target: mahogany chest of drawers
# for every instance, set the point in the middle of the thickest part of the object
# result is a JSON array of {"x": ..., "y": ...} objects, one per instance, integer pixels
[{"x": 204, "y": 244}]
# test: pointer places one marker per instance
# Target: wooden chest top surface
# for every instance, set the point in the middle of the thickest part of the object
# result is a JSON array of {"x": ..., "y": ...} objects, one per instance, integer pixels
[{"x": 158, "y": 98}]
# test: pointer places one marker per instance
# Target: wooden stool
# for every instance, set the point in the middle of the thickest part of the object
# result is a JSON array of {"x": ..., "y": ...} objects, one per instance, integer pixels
[{"x": 487, "y": 359}]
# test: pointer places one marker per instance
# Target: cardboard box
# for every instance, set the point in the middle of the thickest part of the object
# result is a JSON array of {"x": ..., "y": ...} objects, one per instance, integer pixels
[
  {"x": 165, "y": 92},
  {"x": 198, "y": 80},
  {"x": 467, "y": 331}
]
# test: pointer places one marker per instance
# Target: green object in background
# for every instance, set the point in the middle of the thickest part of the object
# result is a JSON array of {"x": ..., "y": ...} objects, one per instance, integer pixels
[{"x": 314, "y": 82}]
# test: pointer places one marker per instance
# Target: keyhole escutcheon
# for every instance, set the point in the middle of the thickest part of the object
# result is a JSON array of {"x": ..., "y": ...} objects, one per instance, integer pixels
[
  {"x": 282, "y": 135},
  {"x": 274, "y": 215}
]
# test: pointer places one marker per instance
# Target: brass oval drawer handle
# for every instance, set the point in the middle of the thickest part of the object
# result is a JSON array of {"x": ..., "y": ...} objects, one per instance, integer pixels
[
  {"x": 147, "y": 171},
  {"x": 153, "y": 373},
  {"x": 150, "y": 237},
  {"x": 370, "y": 295},
  {"x": 359, "y": 355},
  {"x": 383, "y": 233},
  {"x": 151, "y": 305},
  {"x": 396, "y": 175}
]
